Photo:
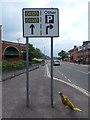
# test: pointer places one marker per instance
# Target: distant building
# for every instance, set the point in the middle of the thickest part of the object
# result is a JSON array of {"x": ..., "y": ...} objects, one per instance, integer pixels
[
  {"x": 86, "y": 50},
  {"x": 80, "y": 54},
  {"x": 12, "y": 51},
  {"x": 73, "y": 54}
]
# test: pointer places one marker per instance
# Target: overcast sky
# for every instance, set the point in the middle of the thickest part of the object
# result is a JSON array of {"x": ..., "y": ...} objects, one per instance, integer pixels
[{"x": 73, "y": 23}]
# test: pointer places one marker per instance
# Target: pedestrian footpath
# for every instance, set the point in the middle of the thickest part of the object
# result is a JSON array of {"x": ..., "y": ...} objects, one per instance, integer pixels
[{"x": 14, "y": 98}]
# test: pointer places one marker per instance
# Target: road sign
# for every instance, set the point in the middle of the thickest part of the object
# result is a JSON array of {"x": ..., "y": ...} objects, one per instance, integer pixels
[{"x": 40, "y": 22}]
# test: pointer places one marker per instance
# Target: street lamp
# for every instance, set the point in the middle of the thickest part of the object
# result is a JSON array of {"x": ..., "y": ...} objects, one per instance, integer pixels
[
  {"x": 44, "y": 53},
  {"x": 18, "y": 40}
]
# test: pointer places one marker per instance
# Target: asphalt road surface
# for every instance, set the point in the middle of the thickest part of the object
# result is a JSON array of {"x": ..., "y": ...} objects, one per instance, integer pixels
[
  {"x": 73, "y": 73},
  {"x": 14, "y": 93}
]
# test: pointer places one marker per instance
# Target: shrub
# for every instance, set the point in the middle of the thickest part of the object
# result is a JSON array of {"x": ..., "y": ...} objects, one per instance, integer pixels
[{"x": 6, "y": 66}]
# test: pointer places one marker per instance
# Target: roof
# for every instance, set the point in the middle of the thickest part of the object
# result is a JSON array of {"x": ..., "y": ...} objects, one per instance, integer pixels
[{"x": 12, "y": 42}]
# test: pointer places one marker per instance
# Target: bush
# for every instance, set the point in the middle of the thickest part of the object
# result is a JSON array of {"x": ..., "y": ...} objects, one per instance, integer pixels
[
  {"x": 80, "y": 61},
  {"x": 6, "y": 66}
]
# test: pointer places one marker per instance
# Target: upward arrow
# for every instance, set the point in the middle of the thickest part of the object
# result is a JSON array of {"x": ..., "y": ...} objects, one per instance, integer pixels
[{"x": 32, "y": 26}]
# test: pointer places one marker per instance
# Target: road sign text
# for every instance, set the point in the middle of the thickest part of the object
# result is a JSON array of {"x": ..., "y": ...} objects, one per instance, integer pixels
[
  {"x": 31, "y": 13},
  {"x": 31, "y": 20},
  {"x": 40, "y": 22}
]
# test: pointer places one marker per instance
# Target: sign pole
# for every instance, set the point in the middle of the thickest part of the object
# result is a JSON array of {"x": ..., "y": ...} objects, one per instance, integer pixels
[
  {"x": 27, "y": 72},
  {"x": 52, "y": 72}
]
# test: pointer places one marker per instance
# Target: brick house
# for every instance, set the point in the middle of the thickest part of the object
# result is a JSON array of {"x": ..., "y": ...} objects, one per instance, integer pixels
[
  {"x": 72, "y": 54},
  {"x": 81, "y": 53},
  {"x": 86, "y": 52}
]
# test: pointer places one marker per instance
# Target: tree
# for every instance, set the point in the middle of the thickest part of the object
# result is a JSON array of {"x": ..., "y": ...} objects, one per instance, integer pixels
[
  {"x": 63, "y": 54},
  {"x": 33, "y": 52},
  {"x": 38, "y": 53}
]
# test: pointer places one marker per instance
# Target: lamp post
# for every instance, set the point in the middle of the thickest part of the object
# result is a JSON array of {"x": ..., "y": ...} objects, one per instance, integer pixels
[
  {"x": 44, "y": 52},
  {"x": 18, "y": 40}
]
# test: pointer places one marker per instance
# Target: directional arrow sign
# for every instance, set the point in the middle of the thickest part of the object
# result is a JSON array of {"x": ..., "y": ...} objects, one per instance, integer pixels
[
  {"x": 32, "y": 26},
  {"x": 48, "y": 27},
  {"x": 40, "y": 22}
]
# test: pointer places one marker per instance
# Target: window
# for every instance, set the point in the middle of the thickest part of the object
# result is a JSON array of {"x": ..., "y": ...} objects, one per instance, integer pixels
[{"x": 11, "y": 52}]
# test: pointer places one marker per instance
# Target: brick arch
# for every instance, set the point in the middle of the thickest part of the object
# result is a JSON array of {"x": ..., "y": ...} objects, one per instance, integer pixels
[
  {"x": 11, "y": 46},
  {"x": 11, "y": 53},
  {"x": 19, "y": 47}
]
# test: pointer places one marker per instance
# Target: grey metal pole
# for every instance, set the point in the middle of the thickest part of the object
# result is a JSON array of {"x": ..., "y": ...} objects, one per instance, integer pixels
[
  {"x": 27, "y": 72},
  {"x": 52, "y": 72}
]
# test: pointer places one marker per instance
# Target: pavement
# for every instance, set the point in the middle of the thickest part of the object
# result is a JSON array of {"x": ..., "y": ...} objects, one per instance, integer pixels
[{"x": 14, "y": 98}]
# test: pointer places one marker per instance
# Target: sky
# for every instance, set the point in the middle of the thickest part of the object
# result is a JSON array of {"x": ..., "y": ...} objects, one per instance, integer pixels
[{"x": 73, "y": 23}]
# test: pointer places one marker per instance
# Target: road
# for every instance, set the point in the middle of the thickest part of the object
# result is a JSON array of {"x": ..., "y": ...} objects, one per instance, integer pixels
[
  {"x": 14, "y": 95},
  {"x": 74, "y": 73}
]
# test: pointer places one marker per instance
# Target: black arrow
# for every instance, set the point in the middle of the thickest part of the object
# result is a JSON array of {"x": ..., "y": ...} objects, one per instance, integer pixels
[
  {"x": 50, "y": 27},
  {"x": 32, "y": 26}
]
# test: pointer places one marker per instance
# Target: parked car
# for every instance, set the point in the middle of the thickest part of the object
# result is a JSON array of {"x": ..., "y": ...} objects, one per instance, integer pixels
[{"x": 56, "y": 62}]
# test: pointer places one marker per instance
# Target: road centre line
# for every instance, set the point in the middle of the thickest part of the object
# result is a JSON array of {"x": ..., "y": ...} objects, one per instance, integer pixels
[
  {"x": 75, "y": 64},
  {"x": 64, "y": 76},
  {"x": 88, "y": 72},
  {"x": 69, "y": 80},
  {"x": 78, "y": 70},
  {"x": 81, "y": 71},
  {"x": 85, "y": 92}
]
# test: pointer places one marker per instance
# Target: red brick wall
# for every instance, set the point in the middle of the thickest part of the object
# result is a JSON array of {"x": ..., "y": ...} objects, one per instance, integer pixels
[
  {"x": 18, "y": 46},
  {"x": 69, "y": 57},
  {"x": 72, "y": 54},
  {"x": 0, "y": 44},
  {"x": 75, "y": 56}
]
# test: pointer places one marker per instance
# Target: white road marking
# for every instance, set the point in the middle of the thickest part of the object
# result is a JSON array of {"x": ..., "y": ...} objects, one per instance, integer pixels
[
  {"x": 48, "y": 73},
  {"x": 78, "y": 70},
  {"x": 88, "y": 72},
  {"x": 81, "y": 71},
  {"x": 45, "y": 72},
  {"x": 69, "y": 80},
  {"x": 65, "y": 77},
  {"x": 85, "y": 92}
]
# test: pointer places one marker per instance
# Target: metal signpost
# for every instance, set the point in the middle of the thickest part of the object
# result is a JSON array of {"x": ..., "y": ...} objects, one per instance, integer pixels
[
  {"x": 40, "y": 22},
  {"x": 51, "y": 71},
  {"x": 27, "y": 72}
]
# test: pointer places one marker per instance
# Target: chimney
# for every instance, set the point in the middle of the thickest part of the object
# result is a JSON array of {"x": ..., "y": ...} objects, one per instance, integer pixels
[{"x": 75, "y": 46}]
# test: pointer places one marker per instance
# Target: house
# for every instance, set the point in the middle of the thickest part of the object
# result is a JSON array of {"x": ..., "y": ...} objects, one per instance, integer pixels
[
  {"x": 80, "y": 53},
  {"x": 73, "y": 54}
]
